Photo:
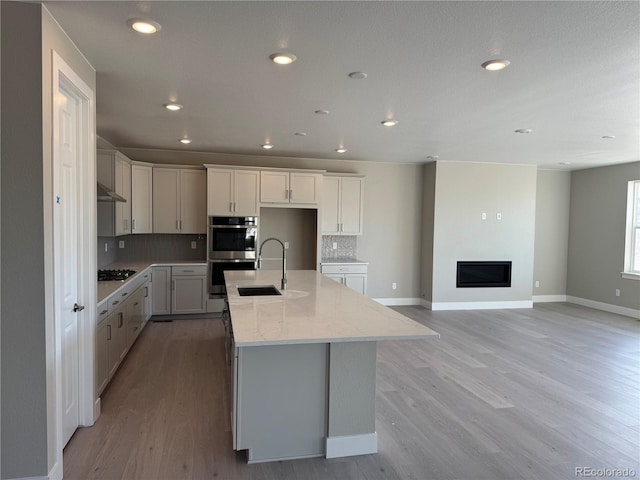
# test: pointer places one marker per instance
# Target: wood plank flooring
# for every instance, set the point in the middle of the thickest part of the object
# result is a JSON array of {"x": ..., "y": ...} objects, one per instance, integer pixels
[{"x": 502, "y": 395}]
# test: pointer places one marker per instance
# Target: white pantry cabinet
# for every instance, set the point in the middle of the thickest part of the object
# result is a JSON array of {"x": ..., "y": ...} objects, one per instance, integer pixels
[
  {"x": 232, "y": 192},
  {"x": 114, "y": 172},
  {"x": 342, "y": 200},
  {"x": 141, "y": 198},
  {"x": 179, "y": 200},
  {"x": 299, "y": 187},
  {"x": 353, "y": 275}
]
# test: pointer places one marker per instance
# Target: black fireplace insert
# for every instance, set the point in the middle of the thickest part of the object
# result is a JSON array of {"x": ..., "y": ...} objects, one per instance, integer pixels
[{"x": 478, "y": 274}]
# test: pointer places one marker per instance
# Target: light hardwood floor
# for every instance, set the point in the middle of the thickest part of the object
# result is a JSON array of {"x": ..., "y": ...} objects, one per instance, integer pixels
[{"x": 510, "y": 394}]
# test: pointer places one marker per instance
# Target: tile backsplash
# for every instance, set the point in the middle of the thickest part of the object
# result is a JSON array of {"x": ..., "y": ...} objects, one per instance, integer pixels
[
  {"x": 151, "y": 247},
  {"x": 347, "y": 246}
]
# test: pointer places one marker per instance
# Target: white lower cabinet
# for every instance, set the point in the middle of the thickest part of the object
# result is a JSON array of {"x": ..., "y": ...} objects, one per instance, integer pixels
[
  {"x": 353, "y": 275},
  {"x": 180, "y": 290}
]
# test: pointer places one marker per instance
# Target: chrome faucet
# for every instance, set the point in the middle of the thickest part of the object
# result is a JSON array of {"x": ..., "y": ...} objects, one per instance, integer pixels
[{"x": 283, "y": 284}]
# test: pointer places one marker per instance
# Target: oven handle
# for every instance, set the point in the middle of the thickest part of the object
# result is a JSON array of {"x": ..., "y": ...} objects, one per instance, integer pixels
[
  {"x": 231, "y": 260},
  {"x": 233, "y": 226}
]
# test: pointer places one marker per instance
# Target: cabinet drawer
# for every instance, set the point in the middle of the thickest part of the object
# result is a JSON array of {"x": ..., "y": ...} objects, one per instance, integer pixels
[
  {"x": 343, "y": 268},
  {"x": 119, "y": 297},
  {"x": 196, "y": 270}
]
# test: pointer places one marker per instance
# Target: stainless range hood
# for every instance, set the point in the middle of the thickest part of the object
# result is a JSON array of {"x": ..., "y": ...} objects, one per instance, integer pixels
[{"x": 105, "y": 194}]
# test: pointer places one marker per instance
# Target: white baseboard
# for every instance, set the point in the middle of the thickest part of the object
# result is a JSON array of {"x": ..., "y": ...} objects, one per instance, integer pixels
[
  {"x": 349, "y": 445},
  {"x": 54, "y": 474},
  {"x": 96, "y": 409},
  {"x": 481, "y": 305},
  {"x": 394, "y": 302},
  {"x": 549, "y": 298},
  {"x": 607, "y": 307}
]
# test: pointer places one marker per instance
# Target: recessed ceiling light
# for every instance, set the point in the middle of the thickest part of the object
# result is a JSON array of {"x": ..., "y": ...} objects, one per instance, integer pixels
[
  {"x": 341, "y": 150},
  {"x": 174, "y": 107},
  {"x": 389, "y": 123},
  {"x": 321, "y": 112},
  {"x": 608, "y": 137},
  {"x": 564, "y": 163},
  {"x": 267, "y": 146},
  {"x": 186, "y": 141},
  {"x": 301, "y": 134},
  {"x": 495, "y": 65},
  {"x": 282, "y": 58},
  {"x": 358, "y": 75},
  {"x": 433, "y": 157},
  {"x": 141, "y": 25},
  {"x": 523, "y": 130}
]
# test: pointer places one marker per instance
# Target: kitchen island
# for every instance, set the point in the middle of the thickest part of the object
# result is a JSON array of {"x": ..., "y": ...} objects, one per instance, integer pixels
[{"x": 303, "y": 365}]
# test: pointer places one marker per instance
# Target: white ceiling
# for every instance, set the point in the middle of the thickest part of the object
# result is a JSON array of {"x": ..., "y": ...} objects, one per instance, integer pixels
[{"x": 574, "y": 77}]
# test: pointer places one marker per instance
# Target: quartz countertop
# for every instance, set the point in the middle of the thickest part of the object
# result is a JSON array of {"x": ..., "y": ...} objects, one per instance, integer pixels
[
  {"x": 341, "y": 260},
  {"x": 108, "y": 288},
  {"x": 313, "y": 309}
]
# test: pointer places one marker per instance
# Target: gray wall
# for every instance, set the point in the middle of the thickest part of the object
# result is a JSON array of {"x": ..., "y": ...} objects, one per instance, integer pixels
[
  {"x": 24, "y": 396},
  {"x": 463, "y": 191},
  {"x": 392, "y": 211},
  {"x": 29, "y": 35},
  {"x": 597, "y": 235},
  {"x": 552, "y": 232},
  {"x": 294, "y": 225},
  {"x": 428, "y": 212}
]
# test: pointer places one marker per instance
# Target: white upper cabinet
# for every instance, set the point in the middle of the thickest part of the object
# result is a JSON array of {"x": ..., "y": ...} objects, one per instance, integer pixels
[
  {"x": 232, "y": 192},
  {"x": 141, "y": 198},
  {"x": 179, "y": 200},
  {"x": 114, "y": 172},
  {"x": 290, "y": 187},
  {"x": 342, "y": 200}
]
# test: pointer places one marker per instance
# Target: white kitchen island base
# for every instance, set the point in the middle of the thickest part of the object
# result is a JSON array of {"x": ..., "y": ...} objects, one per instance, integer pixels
[{"x": 304, "y": 366}]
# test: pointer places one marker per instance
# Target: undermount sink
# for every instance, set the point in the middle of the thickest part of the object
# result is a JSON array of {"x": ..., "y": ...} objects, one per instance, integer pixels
[{"x": 258, "y": 290}]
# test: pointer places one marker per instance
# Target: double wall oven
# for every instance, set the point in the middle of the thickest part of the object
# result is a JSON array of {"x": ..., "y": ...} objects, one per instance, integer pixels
[{"x": 232, "y": 243}]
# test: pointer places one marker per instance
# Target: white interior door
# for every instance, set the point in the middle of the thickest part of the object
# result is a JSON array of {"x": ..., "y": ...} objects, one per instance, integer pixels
[{"x": 66, "y": 215}]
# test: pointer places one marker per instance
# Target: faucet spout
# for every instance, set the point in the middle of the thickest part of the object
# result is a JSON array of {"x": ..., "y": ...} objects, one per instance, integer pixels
[{"x": 283, "y": 283}]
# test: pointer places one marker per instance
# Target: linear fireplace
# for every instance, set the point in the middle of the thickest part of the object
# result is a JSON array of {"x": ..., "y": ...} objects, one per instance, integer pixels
[{"x": 483, "y": 274}]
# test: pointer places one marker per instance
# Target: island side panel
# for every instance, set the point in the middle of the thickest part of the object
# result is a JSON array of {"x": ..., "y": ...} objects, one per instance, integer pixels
[
  {"x": 352, "y": 399},
  {"x": 282, "y": 403}
]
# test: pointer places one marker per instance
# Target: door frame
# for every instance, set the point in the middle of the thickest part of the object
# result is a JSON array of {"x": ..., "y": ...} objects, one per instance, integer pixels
[{"x": 63, "y": 76}]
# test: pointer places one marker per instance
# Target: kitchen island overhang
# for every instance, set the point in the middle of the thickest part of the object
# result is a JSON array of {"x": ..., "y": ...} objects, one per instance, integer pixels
[{"x": 303, "y": 366}]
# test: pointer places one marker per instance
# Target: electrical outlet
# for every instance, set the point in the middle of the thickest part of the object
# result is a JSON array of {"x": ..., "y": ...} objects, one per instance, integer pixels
[
  {"x": 617, "y": 292},
  {"x": 484, "y": 216},
  {"x": 193, "y": 245},
  {"x": 498, "y": 216},
  {"x": 106, "y": 247},
  {"x": 121, "y": 244},
  {"x": 335, "y": 245},
  {"x": 537, "y": 283},
  {"x": 393, "y": 286},
  {"x": 286, "y": 245}
]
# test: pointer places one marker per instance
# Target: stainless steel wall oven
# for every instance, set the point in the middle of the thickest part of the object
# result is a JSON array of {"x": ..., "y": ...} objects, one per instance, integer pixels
[{"x": 232, "y": 243}]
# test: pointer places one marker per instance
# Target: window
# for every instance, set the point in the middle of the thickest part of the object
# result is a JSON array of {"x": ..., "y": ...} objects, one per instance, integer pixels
[{"x": 632, "y": 244}]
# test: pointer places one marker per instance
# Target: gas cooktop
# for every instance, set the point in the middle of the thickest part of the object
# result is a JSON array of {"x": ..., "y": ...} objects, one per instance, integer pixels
[{"x": 110, "y": 275}]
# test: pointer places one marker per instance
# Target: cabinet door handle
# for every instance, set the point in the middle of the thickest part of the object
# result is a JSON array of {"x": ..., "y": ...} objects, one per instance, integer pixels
[
  {"x": 120, "y": 320},
  {"x": 286, "y": 194},
  {"x": 133, "y": 224},
  {"x": 108, "y": 332},
  {"x": 103, "y": 312},
  {"x": 177, "y": 224},
  {"x": 235, "y": 207},
  {"x": 188, "y": 271},
  {"x": 146, "y": 292},
  {"x": 173, "y": 284},
  {"x": 231, "y": 206},
  {"x": 136, "y": 304},
  {"x": 125, "y": 294},
  {"x": 180, "y": 224},
  {"x": 290, "y": 194},
  {"x": 115, "y": 302}
]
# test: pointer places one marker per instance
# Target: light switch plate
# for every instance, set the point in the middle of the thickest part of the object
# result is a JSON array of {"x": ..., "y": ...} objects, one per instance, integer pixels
[
  {"x": 286, "y": 245},
  {"x": 121, "y": 244},
  {"x": 484, "y": 216},
  {"x": 335, "y": 245},
  {"x": 498, "y": 216},
  {"x": 193, "y": 245}
]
